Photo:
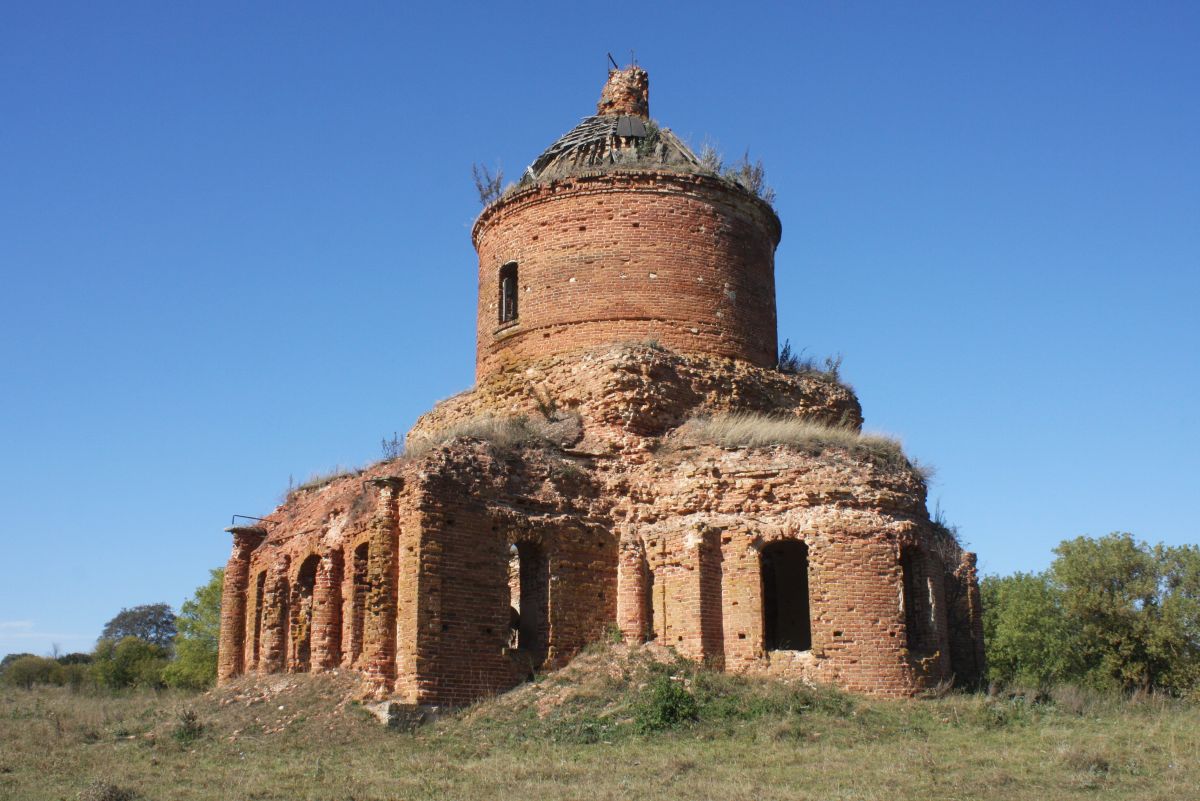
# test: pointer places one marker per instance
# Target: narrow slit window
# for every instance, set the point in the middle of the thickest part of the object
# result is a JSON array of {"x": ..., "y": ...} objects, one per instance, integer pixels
[
  {"x": 787, "y": 625},
  {"x": 260, "y": 588},
  {"x": 508, "y": 292},
  {"x": 529, "y": 587},
  {"x": 358, "y": 600},
  {"x": 917, "y": 596}
]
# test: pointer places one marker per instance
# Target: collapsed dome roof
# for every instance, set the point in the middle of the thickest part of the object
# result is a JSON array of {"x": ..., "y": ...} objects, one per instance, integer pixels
[{"x": 620, "y": 135}]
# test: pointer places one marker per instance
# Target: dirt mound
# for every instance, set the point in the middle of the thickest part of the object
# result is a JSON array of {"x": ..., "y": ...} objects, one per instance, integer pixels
[
  {"x": 601, "y": 672},
  {"x": 268, "y": 705}
]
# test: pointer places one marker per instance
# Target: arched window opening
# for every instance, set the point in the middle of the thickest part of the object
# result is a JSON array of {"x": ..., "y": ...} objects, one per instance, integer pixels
[
  {"x": 306, "y": 582},
  {"x": 281, "y": 622},
  {"x": 529, "y": 590},
  {"x": 786, "y": 621},
  {"x": 358, "y": 600},
  {"x": 260, "y": 588},
  {"x": 508, "y": 292}
]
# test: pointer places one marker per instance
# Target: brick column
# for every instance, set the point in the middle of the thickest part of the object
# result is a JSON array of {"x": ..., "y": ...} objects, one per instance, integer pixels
[
  {"x": 231, "y": 647},
  {"x": 632, "y": 587},
  {"x": 379, "y": 629},
  {"x": 974, "y": 669},
  {"x": 276, "y": 620},
  {"x": 327, "y": 612}
]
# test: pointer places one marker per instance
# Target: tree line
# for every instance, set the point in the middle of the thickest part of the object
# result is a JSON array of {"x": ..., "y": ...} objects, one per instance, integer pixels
[
  {"x": 144, "y": 646},
  {"x": 1110, "y": 613}
]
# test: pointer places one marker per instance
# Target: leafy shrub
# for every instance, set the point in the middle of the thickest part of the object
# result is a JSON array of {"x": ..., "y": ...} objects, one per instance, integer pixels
[
  {"x": 74, "y": 675},
  {"x": 28, "y": 670},
  {"x": 666, "y": 704},
  {"x": 128, "y": 663},
  {"x": 188, "y": 728}
]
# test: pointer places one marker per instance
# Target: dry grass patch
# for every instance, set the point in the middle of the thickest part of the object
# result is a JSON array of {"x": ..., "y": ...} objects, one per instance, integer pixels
[
  {"x": 502, "y": 432},
  {"x": 603, "y": 728},
  {"x": 752, "y": 430}
]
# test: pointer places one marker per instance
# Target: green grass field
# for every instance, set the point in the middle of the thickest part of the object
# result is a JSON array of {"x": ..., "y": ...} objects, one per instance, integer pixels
[{"x": 615, "y": 725}]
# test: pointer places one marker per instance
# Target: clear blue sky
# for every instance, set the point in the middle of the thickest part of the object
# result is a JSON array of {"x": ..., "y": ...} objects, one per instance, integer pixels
[{"x": 235, "y": 247}]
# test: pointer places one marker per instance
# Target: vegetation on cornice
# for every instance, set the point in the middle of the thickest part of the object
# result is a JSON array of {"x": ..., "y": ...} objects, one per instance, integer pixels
[
  {"x": 797, "y": 363},
  {"x": 750, "y": 176},
  {"x": 501, "y": 432},
  {"x": 753, "y": 430}
]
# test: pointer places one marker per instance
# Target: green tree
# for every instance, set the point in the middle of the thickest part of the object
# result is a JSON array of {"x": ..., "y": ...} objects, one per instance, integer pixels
[
  {"x": 1111, "y": 612},
  {"x": 1027, "y": 635},
  {"x": 1136, "y": 610},
  {"x": 10, "y": 658},
  {"x": 153, "y": 623},
  {"x": 199, "y": 622},
  {"x": 130, "y": 662},
  {"x": 27, "y": 670}
]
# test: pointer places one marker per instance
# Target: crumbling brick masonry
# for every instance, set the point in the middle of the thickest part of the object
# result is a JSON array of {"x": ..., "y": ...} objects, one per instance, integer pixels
[{"x": 624, "y": 290}]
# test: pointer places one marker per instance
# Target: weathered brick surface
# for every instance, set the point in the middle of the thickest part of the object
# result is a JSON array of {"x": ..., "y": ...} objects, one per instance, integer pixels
[
  {"x": 626, "y": 393},
  {"x": 626, "y": 91},
  {"x": 645, "y": 298},
  {"x": 684, "y": 260}
]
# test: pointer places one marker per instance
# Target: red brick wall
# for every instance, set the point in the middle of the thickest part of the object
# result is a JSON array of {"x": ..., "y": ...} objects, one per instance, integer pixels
[
  {"x": 686, "y": 260},
  {"x": 691, "y": 524},
  {"x": 462, "y": 622}
]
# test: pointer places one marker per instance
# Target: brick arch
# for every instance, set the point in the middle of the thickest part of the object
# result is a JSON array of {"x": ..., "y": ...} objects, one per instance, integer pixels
[
  {"x": 529, "y": 576},
  {"x": 259, "y": 588},
  {"x": 302, "y": 600},
  {"x": 356, "y": 588},
  {"x": 276, "y": 618}
]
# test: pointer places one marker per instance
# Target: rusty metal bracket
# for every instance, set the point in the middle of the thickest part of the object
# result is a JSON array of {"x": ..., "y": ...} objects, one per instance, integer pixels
[{"x": 233, "y": 520}]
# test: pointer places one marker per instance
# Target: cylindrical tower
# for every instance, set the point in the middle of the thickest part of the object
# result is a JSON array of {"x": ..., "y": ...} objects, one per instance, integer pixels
[{"x": 619, "y": 233}]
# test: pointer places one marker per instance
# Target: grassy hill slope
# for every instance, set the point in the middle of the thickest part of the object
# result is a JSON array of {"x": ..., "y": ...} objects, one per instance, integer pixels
[{"x": 618, "y": 723}]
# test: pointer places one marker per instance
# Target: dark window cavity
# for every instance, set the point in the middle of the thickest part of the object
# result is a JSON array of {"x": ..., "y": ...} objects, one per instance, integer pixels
[
  {"x": 531, "y": 601},
  {"x": 358, "y": 600},
  {"x": 918, "y": 601},
  {"x": 508, "y": 292},
  {"x": 306, "y": 583},
  {"x": 260, "y": 588},
  {"x": 786, "y": 622}
]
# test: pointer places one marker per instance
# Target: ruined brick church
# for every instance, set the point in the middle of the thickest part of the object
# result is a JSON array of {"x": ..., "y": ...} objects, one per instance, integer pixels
[{"x": 632, "y": 459}]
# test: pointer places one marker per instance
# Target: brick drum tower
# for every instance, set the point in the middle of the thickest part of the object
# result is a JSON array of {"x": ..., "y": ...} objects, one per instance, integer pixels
[{"x": 632, "y": 457}]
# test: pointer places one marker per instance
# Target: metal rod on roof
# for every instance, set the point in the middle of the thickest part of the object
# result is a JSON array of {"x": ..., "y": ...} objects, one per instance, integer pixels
[
  {"x": 613, "y": 61},
  {"x": 233, "y": 520}
]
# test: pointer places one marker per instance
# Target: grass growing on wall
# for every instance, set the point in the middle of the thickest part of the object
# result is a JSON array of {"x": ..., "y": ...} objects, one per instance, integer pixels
[{"x": 752, "y": 430}]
